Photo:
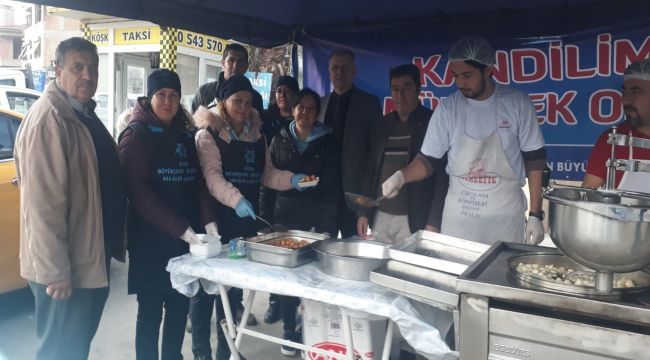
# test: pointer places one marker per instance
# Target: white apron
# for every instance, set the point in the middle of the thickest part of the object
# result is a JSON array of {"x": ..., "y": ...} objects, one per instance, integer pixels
[{"x": 485, "y": 202}]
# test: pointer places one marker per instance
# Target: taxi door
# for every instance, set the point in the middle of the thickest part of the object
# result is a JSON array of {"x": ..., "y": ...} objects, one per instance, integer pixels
[{"x": 9, "y": 205}]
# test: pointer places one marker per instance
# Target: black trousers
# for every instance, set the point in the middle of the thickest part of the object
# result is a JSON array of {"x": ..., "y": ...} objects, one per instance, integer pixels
[
  {"x": 201, "y": 306},
  {"x": 65, "y": 328},
  {"x": 150, "y": 315},
  {"x": 289, "y": 306},
  {"x": 346, "y": 219}
]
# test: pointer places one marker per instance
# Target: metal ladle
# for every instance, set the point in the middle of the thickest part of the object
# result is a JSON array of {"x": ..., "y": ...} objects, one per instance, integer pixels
[
  {"x": 272, "y": 228},
  {"x": 361, "y": 201},
  {"x": 264, "y": 221}
]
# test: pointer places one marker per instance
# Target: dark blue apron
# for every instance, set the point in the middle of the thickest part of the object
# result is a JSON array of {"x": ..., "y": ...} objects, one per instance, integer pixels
[
  {"x": 174, "y": 171},
  {"x": 242, "y": 163}
]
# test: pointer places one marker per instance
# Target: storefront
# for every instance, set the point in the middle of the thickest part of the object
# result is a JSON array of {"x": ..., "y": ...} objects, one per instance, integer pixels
[{"x": 129, "y": 50}]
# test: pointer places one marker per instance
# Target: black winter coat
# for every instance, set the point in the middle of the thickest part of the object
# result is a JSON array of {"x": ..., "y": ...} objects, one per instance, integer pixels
[
  {"x": 208, "y": 92},
  {"x": 314, "y": 207}
]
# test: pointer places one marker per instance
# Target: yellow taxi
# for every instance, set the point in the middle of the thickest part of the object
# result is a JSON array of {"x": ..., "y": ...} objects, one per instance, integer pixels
[{"x": 9, "y": 204}]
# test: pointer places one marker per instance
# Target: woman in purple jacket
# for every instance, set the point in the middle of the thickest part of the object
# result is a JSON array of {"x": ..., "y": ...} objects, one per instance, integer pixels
[{"x": 168, "y": 203}]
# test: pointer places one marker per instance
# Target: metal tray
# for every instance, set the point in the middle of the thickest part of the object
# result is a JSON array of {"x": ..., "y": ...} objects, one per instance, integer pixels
[
  {"x": 490, "y": 277},
  {"x": 438, "y": 252},
  {"x": 639, "y": 277},
  {"x": 261, "y": 252},
  {"x": 424, "y": 285}
]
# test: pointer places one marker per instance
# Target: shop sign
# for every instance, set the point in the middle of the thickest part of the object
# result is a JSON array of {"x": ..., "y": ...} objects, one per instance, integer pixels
[
  {"x": 99, "y": 37},
  {"x": 261, "y": 82},
  {"x": 138, "y": 35},
  {"x": 201, "y": 42}
]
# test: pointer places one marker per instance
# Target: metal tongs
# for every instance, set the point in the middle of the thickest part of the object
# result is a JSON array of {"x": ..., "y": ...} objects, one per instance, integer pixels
[{"x": 360, "y": 201}]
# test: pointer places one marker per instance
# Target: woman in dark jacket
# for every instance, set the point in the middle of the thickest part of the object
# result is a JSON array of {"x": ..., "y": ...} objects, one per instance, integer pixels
[
  {"x": 168, "y": 202},
  {"x": 305, "y": 146}
]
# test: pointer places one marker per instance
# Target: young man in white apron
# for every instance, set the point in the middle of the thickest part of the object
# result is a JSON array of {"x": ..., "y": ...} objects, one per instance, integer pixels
[
  {"x": 636, "y": 105},
  {"x": 493, "y": 142}
]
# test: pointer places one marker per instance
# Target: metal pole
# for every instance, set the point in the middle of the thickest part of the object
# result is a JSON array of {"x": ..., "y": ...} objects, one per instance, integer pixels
[
  {"x": 604, "y": 281},
  {"x": 244, "y": 317},
  {"x": 226, "y": 309},
  {"x": 347, "y": 334},
  {"x": 234, "y": 354},
  {"x": 610, "y": 182},
  {"x": 388, "y": 342}
]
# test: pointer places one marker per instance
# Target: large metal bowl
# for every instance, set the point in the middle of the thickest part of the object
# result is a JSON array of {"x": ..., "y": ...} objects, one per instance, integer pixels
[
  {"x": 350, "y": 259},
  {"x": 602, "y": 230}
]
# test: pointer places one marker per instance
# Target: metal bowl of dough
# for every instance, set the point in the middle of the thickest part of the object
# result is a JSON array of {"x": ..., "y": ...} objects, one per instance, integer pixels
[
  {"x": 640, "y": 279},
  {"x": 604, "y": 230},
  {"x": 350, "y": 259}
]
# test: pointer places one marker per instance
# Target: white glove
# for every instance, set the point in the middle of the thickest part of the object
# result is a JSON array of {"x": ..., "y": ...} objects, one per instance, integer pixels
[
  {"x": 211, "y": 229},
  {"x": 189, "y": 236},
  {"x": 534, "y": 231},
  {"x": 390, "y": 187}
]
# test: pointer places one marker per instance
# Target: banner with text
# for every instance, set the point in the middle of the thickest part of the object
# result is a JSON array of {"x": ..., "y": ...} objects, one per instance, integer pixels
[{"x": 574, "y": 81}]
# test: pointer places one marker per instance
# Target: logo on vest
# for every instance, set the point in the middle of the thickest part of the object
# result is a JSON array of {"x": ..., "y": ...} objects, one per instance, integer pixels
[
  {"x": 249, "y": 156},
  {"x": 181, "y": 151},
  {"x": 504, "y": 124},
  {"x": 479, "y": 179}
]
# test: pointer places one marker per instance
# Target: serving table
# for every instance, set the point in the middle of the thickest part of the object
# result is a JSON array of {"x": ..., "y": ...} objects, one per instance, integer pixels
[{"x": 354, "y": 298}]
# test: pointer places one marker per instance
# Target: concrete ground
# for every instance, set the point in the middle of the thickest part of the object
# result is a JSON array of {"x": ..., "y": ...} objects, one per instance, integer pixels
[{"x": 116, "y": 334}]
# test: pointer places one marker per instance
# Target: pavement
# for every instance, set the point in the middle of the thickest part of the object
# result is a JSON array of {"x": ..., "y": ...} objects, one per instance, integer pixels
[{"x": 115, "y": 339}]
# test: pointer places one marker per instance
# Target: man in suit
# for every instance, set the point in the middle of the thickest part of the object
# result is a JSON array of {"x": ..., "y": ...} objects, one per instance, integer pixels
[{"x": 351, "y": 113}]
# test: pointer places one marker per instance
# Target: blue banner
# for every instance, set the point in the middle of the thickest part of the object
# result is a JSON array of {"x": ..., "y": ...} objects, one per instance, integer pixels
[
  {"x": 262, "y": 83},
  {"x": 574, "y": 81}
]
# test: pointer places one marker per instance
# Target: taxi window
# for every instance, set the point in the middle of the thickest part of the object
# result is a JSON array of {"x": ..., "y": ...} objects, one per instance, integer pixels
[
  {"x": 20, "y": 102},
  {"x": 8, "y": 128}
]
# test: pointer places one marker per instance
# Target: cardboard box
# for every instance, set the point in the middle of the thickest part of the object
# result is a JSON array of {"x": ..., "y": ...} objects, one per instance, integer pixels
[{"x": 323, "y": 328}]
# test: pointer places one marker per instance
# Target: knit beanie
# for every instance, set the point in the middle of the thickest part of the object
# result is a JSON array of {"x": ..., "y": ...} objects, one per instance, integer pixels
[
  {"x": 232, "y": 85},
  {"x": 162, "y": 78},
  {"x": 288, "y": 81}
]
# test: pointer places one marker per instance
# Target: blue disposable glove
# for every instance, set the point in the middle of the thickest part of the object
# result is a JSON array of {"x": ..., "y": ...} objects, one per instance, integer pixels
[
  {"x": 244, "y": 209},
  {"x": 295, "y": 179}
]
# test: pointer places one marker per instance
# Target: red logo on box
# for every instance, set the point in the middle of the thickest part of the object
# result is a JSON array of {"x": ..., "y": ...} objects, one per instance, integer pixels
[{"x": 330, "y": 346}]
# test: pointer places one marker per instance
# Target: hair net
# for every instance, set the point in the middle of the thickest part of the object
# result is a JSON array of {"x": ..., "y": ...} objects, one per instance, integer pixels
[
  {"x": 638, "y": 70},
  {"x": 472, "y": 47}
]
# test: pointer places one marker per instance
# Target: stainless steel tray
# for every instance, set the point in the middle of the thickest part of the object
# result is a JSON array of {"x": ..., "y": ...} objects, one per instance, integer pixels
[
  {"x": 438, "y": 252},
  {"x": 263, "y": 253},
  {"x": 640, "y": 278},
  {"x": 489, "y": 276},
  {"x": 424, "y": 285}
]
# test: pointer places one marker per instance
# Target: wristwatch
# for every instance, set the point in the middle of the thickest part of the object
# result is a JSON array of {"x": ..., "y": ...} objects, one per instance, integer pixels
[{"x": 539, "y": 215}]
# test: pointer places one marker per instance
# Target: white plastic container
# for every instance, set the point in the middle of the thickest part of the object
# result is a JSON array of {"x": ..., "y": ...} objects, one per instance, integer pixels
[
  {"x": 308, "y": 184},
  {"x": 208, "y": 246},
  {"x": 323, "y": 328}
]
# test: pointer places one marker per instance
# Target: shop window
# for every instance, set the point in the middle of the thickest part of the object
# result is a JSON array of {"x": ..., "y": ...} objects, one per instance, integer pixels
[
  {"x": 187, "y": 68},
  {"x": 101, "y": 95},
  {"x": 38, "y": 14},
  {"x": 212, "y": 73}
]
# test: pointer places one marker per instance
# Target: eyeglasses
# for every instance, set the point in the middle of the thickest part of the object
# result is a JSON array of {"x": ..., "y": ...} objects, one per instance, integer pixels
[
  {"x": 306, "y": 110},
  {"x": 283, "y": 91}
]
